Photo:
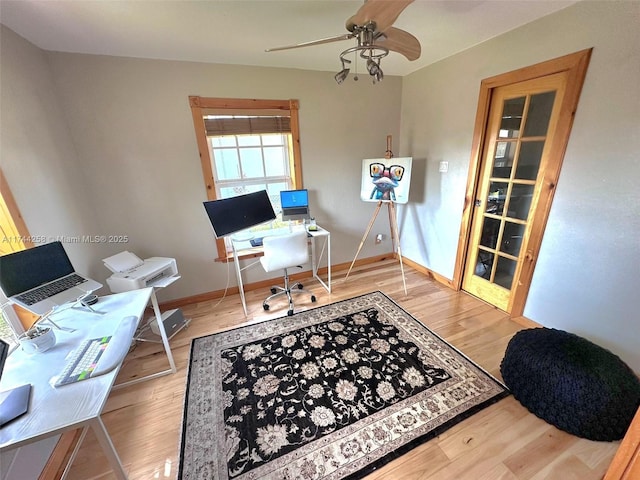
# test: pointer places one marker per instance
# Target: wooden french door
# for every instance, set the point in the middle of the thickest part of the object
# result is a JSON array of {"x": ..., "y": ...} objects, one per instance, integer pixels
[{"x": 525, "y": 132}]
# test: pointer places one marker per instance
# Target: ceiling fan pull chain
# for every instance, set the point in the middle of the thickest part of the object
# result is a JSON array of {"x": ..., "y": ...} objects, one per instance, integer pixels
[{"x": 355, "y": 57}]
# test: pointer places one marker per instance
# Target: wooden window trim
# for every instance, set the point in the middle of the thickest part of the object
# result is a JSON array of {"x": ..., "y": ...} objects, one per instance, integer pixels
[
  {"x": 14, "y": 211},
  {"x": 200, "y": 107},
  {"x": 25, "y": 317}
]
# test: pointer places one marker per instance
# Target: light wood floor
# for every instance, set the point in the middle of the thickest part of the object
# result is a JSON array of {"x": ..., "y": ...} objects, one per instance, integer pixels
[{"x": 502, "y": 442}]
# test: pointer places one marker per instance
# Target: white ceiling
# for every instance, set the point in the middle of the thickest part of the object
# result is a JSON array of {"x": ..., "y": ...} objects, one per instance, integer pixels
[{"x": 238, "y": 31}]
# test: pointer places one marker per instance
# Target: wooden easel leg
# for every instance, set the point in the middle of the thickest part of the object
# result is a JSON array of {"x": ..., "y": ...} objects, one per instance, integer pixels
[
  {"x": 364, "y": 237},
  {"x": 391, "y": 212},
  {"x": 393, "y": 219}
]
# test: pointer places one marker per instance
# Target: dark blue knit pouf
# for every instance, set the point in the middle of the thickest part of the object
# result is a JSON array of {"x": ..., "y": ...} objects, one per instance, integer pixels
[{"x": 571, "y": 383}]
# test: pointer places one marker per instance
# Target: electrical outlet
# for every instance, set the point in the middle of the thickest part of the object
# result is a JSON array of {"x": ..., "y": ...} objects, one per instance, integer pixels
[
  {"x": 379, "y": 238},
  {"x": 444, "y": 167}
]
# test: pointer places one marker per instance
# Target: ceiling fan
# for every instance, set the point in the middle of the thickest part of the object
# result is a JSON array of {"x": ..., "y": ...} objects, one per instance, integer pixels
[{"x": 372, "y": 27}]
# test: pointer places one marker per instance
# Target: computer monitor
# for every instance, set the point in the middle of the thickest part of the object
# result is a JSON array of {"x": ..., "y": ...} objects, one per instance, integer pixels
[
  {"x": 295, "y": 204},
  {"x": 234, "y": 214},
  {"x": 14, "y": 402}
]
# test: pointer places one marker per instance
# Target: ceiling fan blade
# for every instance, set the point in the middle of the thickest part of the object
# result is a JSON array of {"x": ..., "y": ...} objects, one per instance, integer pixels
[
  {"x": 398, "y": 40},
  {"x": 383, "y": 12},
  {"x": 337, "y": 38}
]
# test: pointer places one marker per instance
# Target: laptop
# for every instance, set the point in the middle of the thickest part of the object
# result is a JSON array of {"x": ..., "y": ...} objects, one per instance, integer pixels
[
  {"x": 41, "y": 278},
  {"x": 295, "y": 204},
  {"x": 15, "y": 402}
]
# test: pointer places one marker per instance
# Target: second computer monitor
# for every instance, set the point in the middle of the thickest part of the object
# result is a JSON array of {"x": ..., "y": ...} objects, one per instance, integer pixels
[{"x": 295, "y": 204}]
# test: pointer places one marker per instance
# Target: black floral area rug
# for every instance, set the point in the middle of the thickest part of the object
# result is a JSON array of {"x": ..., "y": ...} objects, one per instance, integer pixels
[{"x": 329, "y": 393}]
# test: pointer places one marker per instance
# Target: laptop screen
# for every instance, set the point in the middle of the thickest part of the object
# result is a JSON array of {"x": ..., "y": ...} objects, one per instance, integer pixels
[
  {"x": 294, "y": 198},
  {"x": 27, "y": 269}
]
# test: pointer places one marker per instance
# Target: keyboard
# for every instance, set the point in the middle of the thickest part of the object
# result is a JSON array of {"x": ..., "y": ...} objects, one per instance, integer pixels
[
  {"x": 297, "y": 210},
  {"x": 51, "y": 289},
  {"x": 258, "y": 242},
  {"x": 97, "y": 356},
  {"x": 83, "y": 361}
]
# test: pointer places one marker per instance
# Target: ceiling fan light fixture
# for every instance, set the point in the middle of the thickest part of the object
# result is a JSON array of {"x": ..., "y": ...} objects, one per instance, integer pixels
[
  {"x": 374, "y": 70},
  {"x": 378, "y": 75},
  {"x": 372, "y": 67},
  {"x": 372, "y": 53},
  {"x": 341, "y": 75}
]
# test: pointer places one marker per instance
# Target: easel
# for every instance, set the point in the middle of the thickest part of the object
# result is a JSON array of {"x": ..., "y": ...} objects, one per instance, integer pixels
[{"x": 393, "y": 225}]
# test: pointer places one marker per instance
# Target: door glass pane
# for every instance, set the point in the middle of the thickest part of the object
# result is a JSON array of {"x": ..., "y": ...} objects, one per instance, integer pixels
[
  {"x": 520, "y": 201},
  {"x": 512, "y": 238},
  {"x": 529, "y": 160},
  {"x": 496, "y": 197},
  {"x": 490, "y": 230},
  {"x": 503, "y": 159},
  {"x": 505, "y": 269},
  {"x": 484, "y": 264},
  {"x": 539, "y": 114},
  {"x": 511, "y": 117}
]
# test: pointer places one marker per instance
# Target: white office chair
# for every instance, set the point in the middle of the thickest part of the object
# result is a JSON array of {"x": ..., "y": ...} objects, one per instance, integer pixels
[{"x": 282, "y": 252}]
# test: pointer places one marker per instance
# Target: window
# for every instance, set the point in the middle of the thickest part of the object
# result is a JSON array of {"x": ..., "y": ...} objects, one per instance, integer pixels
[
  {"x": 248, "y": 163},
  {"x": 246, "y": 146}
]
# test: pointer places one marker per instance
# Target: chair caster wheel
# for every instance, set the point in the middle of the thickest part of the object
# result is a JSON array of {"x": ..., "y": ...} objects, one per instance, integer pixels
[
  {"x": 290, "y": 313},
  {"x": 273, "y": 291},
  {"x": 265, "y": 306},
  {"x": 300, "y": 287},
  {"x": 313, "y": 298}
]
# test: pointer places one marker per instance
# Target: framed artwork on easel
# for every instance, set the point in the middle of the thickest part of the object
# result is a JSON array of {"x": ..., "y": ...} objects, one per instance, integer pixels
[{"x": 386, "y": 179}]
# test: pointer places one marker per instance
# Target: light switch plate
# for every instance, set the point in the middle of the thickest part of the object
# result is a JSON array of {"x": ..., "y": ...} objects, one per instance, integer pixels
[{"x": 444, "y": 167}]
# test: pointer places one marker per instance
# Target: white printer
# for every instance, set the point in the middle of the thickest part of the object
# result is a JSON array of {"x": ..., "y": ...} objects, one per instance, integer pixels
[{"x": 132, "y": 273}]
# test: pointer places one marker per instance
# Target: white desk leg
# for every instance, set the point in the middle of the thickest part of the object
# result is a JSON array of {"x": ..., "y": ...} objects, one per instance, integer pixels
[
  {"x": 329, "y": 261},
  {"x": 163, "y": 333},
  {"x": 107, "y": 447},
  {"x": 236, "y": 261},
  {"x": 314, "y": 261}
]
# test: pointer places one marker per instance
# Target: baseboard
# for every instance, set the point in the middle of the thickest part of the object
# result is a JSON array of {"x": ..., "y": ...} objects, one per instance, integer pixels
[
  {"x": 429, "y": 273},
  {"x": 526, "y": 322}
]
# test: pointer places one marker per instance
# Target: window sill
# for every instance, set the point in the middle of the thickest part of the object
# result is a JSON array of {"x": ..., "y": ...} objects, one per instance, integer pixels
[{"x": 241, "y": 255}]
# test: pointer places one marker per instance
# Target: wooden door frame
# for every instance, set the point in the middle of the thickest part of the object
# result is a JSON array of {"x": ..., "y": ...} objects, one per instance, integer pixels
[{"x": 575, "y": 64}]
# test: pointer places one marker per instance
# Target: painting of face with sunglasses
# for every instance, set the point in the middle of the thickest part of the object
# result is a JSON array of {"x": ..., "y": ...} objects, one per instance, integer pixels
[{"x": 386, "y": 180}]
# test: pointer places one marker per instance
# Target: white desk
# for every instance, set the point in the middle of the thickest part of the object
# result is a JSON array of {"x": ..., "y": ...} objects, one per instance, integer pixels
[
  {"x": 53, "y": 411},
  {"x": 241, "y": 248}
]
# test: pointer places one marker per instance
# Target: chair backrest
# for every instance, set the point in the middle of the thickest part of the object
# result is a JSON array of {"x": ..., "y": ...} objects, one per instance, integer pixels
[{"x": 284, "y": 251}]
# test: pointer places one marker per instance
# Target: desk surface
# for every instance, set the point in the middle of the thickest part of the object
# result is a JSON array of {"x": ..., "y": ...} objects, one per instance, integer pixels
[
  {"x": 54, "y": 410},
  {"x": 243, "y": 247}
]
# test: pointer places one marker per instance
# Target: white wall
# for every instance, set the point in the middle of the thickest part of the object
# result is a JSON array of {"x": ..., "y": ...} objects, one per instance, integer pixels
[
  {"x": 136, "y": 155},
  {"x": 37, "y": 153},
  {"x": 586, "y": 277}
]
